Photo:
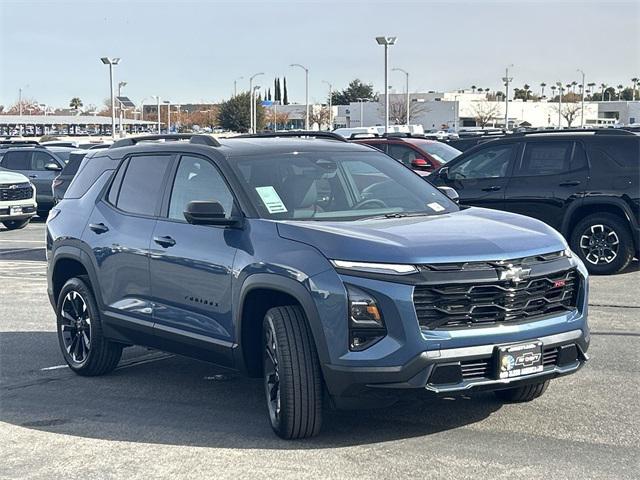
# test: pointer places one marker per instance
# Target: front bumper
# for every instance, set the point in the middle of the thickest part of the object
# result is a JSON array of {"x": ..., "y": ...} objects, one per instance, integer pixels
[
  {"x": 28, "y": 210},
  {"x": 459, "y": 369}
]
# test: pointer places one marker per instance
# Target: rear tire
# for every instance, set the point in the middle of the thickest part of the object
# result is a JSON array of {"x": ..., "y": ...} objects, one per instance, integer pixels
[
  {"x": 16, "y": 224},
  {"x": 603, "y": 242},
  {"x": 526, "y": 393},
  {"x": 83, "y": 345},
  {"x": 292, "y": 377}
]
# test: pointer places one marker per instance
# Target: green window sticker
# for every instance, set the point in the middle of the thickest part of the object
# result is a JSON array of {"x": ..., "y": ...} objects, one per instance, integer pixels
[{"x": 271, "y": 199}]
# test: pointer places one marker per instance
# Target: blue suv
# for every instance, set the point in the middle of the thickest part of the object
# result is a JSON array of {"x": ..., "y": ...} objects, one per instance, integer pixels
[{"x": 314, "y": 263}]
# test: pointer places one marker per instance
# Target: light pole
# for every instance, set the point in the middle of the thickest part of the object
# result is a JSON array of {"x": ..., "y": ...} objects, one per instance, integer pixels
[
  {"x": 168, "y": 115},
  {"x": 157, "y": 98},
  {"x": 20, "y": 106},
  {"x": 120, "y": 85},
  {"x": 386, "y": 41},
  {"x": 560, "y": 88},
  {"x": 111, "y": 62},
  {"x": 306, "y": 93},
  {"x": 235, "y": 86},
  {"x": 252, "y": 109},
  {"x": 330, "y": 104},
  {"x": 506, "y": 79},
  {"x": 407, "y": 87},
  {"x": 582, "y": 100},
  {"x": 254, "y": 119}
]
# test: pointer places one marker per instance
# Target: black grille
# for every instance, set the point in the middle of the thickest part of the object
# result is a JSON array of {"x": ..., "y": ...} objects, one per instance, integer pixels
[
  {"x": 21, "y": 191},
  {"x": 474, "y": 304},
  {"x": 483, "y": 367}
]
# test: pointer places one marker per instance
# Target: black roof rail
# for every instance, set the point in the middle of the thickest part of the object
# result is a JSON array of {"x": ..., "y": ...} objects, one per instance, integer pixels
[
  {"x": 299, "y": 133},
  {"x": 595, "y": 131},
  {"x": 196, "y": 139},
  {"x": 354, "y": 136},
  {"x": 19, "y": 142}
]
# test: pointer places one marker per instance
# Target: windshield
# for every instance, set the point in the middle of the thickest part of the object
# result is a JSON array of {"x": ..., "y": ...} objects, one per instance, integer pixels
[
  {"x": 337, "y": 186},
  {"x": 440, "y": 151}
]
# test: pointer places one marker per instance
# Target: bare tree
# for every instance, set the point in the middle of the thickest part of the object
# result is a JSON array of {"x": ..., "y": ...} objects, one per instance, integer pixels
[
  {"x": 319, "y": 117},
  {"x": 485, "y": 113},
  {"x": 398, "y": 110},
  {"x": 569, "y": 111}
]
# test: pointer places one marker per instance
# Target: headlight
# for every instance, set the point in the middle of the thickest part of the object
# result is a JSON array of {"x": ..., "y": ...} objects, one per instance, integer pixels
[{"x": 366, "y": 325}]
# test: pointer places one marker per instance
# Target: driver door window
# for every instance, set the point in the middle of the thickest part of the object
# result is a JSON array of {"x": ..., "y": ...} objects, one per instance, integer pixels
[
  {"x": 197, "y": 179},
  {"x": 490, "y": 162},
  {"x": 39, "y": 160},
  {"x": 403, "y": 154}
]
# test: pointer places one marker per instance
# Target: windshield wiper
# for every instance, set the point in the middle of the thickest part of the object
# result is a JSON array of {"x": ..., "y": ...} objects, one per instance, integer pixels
[{"x": 397, "y": 215}]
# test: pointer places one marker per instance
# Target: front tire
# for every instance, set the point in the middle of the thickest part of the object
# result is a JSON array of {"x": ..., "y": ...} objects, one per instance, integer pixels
[
  {"x": 16, "y": 224},
  {"x": 83, "y": 345},
  {"x": 603, "y": 242},
  {"x": 292, "y": 377},
  {"x": 526, "y": 393}
]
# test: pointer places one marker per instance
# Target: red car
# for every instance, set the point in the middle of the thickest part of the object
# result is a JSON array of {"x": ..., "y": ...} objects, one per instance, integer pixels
[{"x": 417, "y": 152}]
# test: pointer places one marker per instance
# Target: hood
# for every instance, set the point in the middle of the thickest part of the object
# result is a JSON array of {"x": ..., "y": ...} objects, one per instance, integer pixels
[
  {"x": 472, "y": 234},
  {"x": 7, "y": 176}
]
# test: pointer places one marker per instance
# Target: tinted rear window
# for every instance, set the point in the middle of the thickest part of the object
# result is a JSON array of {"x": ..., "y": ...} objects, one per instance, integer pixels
[
  {"x": 88, "y": 174},
  {"x": 621, "y": 152},
  {"x": 17, "y": 160},
  {"x": 72, "y": 166},
  {"x": 142, "y": 184}
]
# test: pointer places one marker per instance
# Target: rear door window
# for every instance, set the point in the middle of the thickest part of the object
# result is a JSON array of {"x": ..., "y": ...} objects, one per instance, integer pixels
[
  {"x": 142, "y": 184},
  {"x": 544, "y": 158},
  {"x": 17, "y": 160}
]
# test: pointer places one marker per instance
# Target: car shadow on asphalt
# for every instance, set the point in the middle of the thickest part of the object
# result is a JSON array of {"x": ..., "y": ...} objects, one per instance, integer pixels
[{"x": 178, "y": 401}]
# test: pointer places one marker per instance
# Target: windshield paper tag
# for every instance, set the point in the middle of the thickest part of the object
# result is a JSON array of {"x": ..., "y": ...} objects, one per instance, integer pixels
[
  {"x": 271, "y": 199},
  {"x": 435, "y": 206}
]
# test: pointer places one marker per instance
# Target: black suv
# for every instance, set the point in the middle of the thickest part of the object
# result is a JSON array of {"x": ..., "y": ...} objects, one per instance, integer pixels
[{"x": 584, "y": 183}]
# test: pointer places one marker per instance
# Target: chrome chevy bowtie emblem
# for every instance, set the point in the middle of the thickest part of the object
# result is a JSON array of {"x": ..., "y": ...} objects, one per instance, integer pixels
[{"x": 515, "y": 274}]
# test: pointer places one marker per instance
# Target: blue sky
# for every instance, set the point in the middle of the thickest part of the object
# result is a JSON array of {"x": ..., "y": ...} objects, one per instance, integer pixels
[{"x": 190, "y": 51}]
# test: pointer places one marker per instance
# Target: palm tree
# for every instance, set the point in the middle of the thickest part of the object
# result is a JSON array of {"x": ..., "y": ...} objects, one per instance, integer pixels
[
  {"x": 590, "y": 85},
  {"x": 603, "y": 86},
  {"x": 527, "y": 89},
  {"x": 473, "y": 88},
  {"x": 620, "y": 88},
  {"x": 635, "y": 81},
  {"x": 553, "y": 91},
  {"x": 75, "y": 103},
  {"x": 542, "y": 85},
  {"x": 573, "y": 87}
]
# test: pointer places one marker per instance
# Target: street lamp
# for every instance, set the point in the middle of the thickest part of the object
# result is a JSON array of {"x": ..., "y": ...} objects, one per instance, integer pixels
[
  {"x": 386, "y": 41},
  {"x": 560, "y": 88},
  {"x": 582, "y": 100},
  {"x": 235, "y": 86},
  {"x": 253, "y": 106},
  {"x": 306, "y": 93},
  {"x": 330, "y": 104},
  {"x": 120, "y": 85},
  {"x": 254, "y": 119},
  {"x": 111, "y": 62},
  {"x": 168, "y": 115},
  {"x": 157, "y": 98},
  {"x": 506, "y": 79},
  {"x": 407, "y": 87}
]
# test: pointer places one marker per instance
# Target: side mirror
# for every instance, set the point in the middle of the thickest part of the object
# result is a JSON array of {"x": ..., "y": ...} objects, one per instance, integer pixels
[
  {"x": 208, "y": 213},
  {"x": 54, "y": 167},
  {"x": 444, "y": 173},
  {"x": 451, "y": 193},
  {"x": 420, "y": 164}
]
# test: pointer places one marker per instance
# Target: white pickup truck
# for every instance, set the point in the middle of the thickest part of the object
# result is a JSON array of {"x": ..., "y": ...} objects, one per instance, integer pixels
[{"x": 17, "y": 200}]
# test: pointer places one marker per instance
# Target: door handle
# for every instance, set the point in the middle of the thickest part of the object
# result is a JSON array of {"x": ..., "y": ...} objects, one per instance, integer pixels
[
  {"x": 494, "y": 188},
  {"x": 33, "y": 176},
  {"x": 165, "y": 242},
  {"x": 570, "y": 183},
  {"x": 98, "y": 228}
]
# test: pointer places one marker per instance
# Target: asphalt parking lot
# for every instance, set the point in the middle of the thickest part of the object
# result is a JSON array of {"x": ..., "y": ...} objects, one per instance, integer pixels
[{"x": 163, "y": 416}]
